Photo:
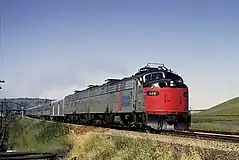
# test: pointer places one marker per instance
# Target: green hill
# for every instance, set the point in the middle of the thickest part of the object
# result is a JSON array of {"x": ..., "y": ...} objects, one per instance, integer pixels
[
  {"x": 17, "y": 103},
  {"x": 226, "y": 111},
  {"x": 222, "y": 117},
  {"x": 230, "y": 107}
]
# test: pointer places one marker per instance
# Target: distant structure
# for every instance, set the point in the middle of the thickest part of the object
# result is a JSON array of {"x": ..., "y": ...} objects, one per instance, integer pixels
[
  {"x": 195, "y": 111},
  {"x": 1, "y": 81}
]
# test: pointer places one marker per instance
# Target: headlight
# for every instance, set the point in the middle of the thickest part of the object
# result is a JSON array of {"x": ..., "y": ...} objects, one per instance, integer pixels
[
  {"x": 185, "y": 94},
  {"x": 171, "y": 83},
  {"x": 155, "y": 85}
]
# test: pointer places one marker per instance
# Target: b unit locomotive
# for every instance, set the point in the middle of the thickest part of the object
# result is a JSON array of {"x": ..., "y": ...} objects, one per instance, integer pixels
[{"x": 152, "y": 97}]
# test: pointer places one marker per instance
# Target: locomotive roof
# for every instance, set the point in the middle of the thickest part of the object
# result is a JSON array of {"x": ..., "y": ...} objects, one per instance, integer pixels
[
  {"x": 144, "y": 70},
  {"x": 148, "y": 68}
]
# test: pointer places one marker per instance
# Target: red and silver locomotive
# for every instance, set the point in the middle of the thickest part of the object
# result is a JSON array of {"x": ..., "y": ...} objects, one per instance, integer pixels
[
  {"x": 165, "y": 98},
  {"x": 152, "y": 97}
]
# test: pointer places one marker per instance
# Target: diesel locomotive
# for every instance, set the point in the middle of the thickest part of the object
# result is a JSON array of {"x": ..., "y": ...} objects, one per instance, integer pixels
[{"x": 154, "y": 97}]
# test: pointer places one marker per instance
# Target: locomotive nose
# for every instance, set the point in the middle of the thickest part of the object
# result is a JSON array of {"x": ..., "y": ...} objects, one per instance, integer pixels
[{"x": 166, "y": 100}]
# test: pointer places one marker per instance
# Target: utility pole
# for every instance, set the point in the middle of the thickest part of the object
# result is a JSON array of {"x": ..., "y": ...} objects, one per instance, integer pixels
[
  {"x": 1, "y": 114},
  {"x": 1, "y": 81},
  {"x": 5, "y": 114},
  {"x": 22, "y": 110}
]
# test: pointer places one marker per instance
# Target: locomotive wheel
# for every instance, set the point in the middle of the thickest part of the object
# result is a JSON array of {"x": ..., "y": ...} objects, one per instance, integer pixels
[
  {"x": 160, "y": 124},
  {"x": 181, "y": 126},
  {"x": 124, "y": 121},
  {"x": 109, "y": 118}
]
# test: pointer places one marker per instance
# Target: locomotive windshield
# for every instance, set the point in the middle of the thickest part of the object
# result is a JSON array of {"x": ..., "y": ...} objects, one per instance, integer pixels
[
  {"x": 174, "y": 77},
  {"x": 163, "y": 79},
  {"x": 153, "y": 76}
]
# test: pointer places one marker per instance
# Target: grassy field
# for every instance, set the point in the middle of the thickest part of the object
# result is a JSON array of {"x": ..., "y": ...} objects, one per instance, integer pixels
[
  {"x": 85, "y": 142},
  {"x": 212, "y": 126},
  {"x": 222, "y": 117},
  {"x": 30, "y": 135},
  {"x": 126, "y": 148}
]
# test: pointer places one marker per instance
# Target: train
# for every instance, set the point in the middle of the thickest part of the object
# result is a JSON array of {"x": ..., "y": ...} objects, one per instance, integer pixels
[{"x": 154, "y": 96}]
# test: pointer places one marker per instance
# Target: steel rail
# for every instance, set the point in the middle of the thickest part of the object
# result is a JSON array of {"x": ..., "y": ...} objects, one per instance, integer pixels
[
  {"x": 26, "y": 155},
  {"x": 2, "y": 136},
  {"x": 214, "y": 135},
  {"x": 204, "y": 135},
  {"x": 216, "y": 132}
]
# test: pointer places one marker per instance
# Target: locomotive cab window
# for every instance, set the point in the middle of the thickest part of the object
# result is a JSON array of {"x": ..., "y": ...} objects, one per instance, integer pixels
[
  {"x": 153, "y": 76},
  {"x": 175, "y": 81},
  {"x": 174, "y": 77}
]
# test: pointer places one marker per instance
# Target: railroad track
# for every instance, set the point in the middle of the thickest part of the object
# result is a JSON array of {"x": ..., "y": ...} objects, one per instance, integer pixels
[
  {"x": 205, "y": 135},
  {"x": 26, "y": 155},
  {"x": 2, "y": 139},
  {"x": 199, "y": 134},
  {"x": 216, "y": 132}
]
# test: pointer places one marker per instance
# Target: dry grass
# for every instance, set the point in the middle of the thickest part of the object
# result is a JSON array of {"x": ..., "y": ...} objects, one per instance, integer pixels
[
  {"x": 117, "y": 147},
  {"x": 100, "y": 143},
  {"x": 85, "y": 142}
]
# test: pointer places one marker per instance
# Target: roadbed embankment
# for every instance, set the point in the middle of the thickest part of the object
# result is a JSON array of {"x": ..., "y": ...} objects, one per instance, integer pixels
[{"x": 87, "y": 142}]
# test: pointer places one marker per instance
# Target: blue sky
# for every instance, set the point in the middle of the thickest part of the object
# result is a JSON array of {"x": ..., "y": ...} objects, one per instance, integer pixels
[{"x": 51, "y": 47}]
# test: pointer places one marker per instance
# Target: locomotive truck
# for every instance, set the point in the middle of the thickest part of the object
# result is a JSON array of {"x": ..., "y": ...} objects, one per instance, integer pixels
[{"x": 154, "y": 97}]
